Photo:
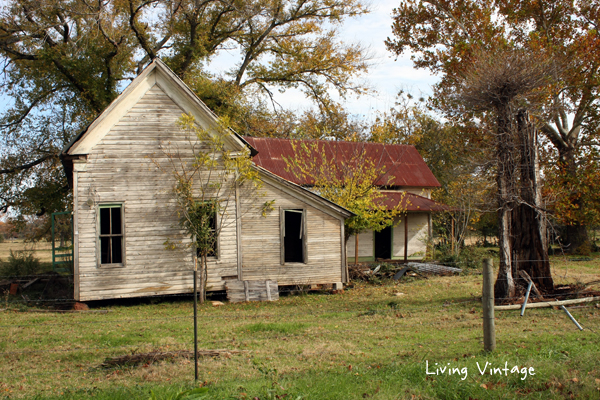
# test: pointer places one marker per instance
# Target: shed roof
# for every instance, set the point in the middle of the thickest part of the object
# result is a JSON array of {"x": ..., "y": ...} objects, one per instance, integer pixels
[{"x": 402, "y": 165}]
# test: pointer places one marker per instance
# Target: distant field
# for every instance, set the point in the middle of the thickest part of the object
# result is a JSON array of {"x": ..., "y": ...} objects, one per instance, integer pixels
[
  {"x": 370, "y": 342},
  {"x": 42, "y": 250}
]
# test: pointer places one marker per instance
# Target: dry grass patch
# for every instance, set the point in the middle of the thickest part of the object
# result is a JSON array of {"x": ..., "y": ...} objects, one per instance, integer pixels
[{"x": 41, "y": 250}]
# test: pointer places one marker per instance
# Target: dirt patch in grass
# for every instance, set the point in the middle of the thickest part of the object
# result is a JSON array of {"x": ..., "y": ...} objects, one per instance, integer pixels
[{"x": 155, "y": 356}]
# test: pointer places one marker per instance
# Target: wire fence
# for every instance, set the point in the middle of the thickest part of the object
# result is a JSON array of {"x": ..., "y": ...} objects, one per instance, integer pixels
[{"x": 380, "y": 325}]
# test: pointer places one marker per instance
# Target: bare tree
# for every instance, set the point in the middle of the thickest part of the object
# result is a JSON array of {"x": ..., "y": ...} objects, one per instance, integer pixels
[{"x": 505, "y": 83}]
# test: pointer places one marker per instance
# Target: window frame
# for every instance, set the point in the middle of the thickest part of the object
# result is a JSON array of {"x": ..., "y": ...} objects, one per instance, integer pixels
[
  {"x": 304, "y": 225},
  {"x": 110, "y": 205}
]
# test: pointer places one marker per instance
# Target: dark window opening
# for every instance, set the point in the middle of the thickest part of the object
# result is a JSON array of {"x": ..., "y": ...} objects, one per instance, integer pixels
[
  {"x": 293, "y": 236},
  {"x": 111, "y": 235},
  {"x": 383, "y": 243}
]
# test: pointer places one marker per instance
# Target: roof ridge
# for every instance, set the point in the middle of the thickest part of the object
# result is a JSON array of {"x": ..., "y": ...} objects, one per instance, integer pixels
[{"x": 328, "y": 141}]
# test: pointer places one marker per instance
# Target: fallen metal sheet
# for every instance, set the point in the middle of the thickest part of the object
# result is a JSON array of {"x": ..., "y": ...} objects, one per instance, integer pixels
[
  {"x": 403, "y": 271},
  {"x": 434, "y": 268}
]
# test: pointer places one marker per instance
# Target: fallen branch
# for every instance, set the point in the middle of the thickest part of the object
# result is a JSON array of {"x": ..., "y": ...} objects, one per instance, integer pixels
[{"x": 543, "y": 304}]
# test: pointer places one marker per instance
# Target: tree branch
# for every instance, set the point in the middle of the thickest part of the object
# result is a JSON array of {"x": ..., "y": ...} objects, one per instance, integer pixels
[{"x": 27, "y": 166}]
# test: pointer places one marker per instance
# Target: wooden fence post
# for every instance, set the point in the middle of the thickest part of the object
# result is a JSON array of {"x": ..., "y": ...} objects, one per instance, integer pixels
[{"x": 489, "y": 329}]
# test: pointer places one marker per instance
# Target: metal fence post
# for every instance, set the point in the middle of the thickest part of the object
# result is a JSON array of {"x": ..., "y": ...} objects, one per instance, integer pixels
[
  {"x": 195, "y": 318},
  {"x": 489, "y": 329}
]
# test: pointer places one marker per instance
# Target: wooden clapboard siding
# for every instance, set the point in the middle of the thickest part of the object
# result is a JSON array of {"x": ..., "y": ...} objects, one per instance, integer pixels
[
  {"x": 417, "y": 239},
  {"x": 417, "y": 236},
  {"x": 128, "y": 166},
  {"x": 365, "y": 246},
  {"x": 261, "y": 242}
]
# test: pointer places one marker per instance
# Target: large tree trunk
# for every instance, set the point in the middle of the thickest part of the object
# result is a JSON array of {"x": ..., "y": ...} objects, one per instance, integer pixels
[
  {"x": 576, "y": 240},
  {"x": 505, "y": 179},
  {"x": 529, "y": 246}
]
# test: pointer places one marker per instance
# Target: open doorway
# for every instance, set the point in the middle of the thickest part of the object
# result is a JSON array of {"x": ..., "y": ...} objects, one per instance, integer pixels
[{"x": 383, "y": 243}]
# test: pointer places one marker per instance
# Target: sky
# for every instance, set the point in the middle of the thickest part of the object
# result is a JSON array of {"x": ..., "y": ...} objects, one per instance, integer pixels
[{"x": 387, "y": 75}]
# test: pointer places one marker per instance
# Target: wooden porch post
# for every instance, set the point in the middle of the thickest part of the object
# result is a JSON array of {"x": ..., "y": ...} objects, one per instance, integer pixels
[{"x": 406, "y": 237}]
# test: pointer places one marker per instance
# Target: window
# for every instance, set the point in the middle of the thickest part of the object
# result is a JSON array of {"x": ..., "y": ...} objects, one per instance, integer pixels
[
  {"x": 205, "y": 219},
  {"x": 293, "y": 236},
  {"x": 111, "y": 234}
]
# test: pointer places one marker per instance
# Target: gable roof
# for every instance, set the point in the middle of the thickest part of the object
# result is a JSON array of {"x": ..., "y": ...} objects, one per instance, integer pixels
[
  {"x": 403, "y": 166},
  {"x": 156, "y": 73}
]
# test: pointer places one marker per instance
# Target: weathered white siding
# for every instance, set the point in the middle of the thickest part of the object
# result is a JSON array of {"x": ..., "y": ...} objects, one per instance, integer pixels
[
  {"x": 122, "y": 168},
  {"x": 417, "y": 236},
  {"x": 365, "y": 246},
  {"x": 261, "y": 244}
]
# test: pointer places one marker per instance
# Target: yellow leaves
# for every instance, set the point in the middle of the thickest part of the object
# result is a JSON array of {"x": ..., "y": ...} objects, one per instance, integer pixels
[
  {"x": 267, "y": 207},
  {"x": 206, "y": 174},
  {"x": 348, "y": 180}
]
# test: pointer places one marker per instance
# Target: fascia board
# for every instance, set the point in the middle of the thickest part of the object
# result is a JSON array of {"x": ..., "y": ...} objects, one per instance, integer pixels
[
  {"x": 156, "y": 73},
  {"x": 114, "y": 112}
]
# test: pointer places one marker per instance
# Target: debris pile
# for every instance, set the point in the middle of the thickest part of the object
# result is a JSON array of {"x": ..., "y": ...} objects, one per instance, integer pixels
[{"x": 374, "y": 272}]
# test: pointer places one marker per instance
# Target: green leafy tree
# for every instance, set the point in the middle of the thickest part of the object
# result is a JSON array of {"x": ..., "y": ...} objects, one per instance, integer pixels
[
  {"x": 350, "y": 181},
  {"x": 66, "y": 60}
]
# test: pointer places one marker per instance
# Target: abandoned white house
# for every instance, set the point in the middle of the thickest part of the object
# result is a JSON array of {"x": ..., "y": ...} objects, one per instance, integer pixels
[
  {"x": 124, "y": 207},
  {"x": 405, "y": 180}
]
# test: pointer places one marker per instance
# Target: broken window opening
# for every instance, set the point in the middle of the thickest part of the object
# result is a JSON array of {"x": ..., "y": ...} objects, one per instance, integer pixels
[
  {"x": 294, "y": 236},
  {"x": 111, "y": 234}
]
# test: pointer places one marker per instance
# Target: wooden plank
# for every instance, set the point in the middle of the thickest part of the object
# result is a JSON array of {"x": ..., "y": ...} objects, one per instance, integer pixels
[
  {"x": 304, "y": 234},
  {"x": 543, "y": 304},
  {"x": 76, "y": 239},
  {"x": 345, "y": 275},
  {"x": 256, "y": 290}
]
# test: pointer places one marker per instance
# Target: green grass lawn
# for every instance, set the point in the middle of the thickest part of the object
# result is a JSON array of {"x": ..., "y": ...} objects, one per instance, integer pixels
[{"x": 367, "y": 342}]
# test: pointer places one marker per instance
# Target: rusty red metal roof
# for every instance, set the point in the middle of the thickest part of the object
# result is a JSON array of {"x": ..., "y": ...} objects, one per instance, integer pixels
[
  {"x": 410, "y": 202},
  {"x": 401, "y": 165}
]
